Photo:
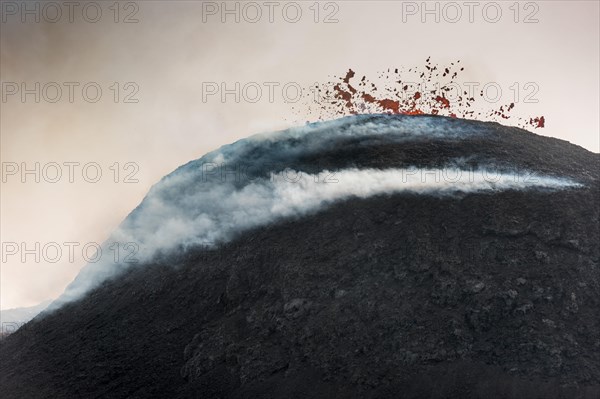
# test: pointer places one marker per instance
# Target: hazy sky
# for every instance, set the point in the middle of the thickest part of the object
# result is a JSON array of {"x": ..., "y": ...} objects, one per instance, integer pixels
[{"x": 154, "y": 60}]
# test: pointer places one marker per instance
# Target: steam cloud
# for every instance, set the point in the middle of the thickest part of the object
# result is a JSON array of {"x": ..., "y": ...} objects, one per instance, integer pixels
[
  {"x": 215, "y": 214},
  {"x": 203, "y": 203}
]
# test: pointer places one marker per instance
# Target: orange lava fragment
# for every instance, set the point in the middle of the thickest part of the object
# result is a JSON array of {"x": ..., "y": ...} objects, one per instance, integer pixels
[
  {"x": 413, "y": 112},
  {"x": 391, "y": 105},
  {"x": 368, "y": 98},
  {"x": 540, "y": 121},
  {"x": 444, "y": 101},
  {"x": 349, "y": 76}
]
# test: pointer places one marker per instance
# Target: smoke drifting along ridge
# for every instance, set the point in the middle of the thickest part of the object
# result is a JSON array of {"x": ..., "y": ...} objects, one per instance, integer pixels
[
  {"x": 222, "y": 209},
  {"x": 251, "y": 183}
]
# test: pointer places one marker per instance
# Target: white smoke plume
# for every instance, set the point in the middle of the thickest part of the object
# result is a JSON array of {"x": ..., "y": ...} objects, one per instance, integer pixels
[
  {"x": 216, "y": 215},
  {"x": 202, "y": 204}
]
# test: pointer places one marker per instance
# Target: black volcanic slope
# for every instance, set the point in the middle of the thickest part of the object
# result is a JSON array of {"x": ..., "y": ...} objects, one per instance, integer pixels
[{"x": 487, "y": 295}]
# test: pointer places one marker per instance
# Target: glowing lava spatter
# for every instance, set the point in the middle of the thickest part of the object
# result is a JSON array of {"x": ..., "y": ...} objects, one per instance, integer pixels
[{"x": 343, "y": 96}]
